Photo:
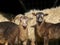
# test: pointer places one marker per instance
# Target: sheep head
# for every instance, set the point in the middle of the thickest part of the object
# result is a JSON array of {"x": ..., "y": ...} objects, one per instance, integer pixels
[
  {"x": 24, "y": 21},
  {"x": 39, "y": 16}
]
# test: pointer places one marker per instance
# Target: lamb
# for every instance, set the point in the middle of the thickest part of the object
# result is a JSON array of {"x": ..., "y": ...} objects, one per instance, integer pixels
[
  {"x": 23, "y": 29},
  {"x": 46, "y": 30},
  {"x": 8, "y": 32}
]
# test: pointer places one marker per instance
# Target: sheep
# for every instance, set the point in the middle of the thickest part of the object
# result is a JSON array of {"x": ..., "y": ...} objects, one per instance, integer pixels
[
  {"x": 23, "y": 28},
  {"x": 8, "y": 32},
  {"x": 46, "y": 30}
]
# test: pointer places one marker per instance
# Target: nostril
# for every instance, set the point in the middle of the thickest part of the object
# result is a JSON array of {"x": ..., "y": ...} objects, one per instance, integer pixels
[{"x": 24, "y": 27}]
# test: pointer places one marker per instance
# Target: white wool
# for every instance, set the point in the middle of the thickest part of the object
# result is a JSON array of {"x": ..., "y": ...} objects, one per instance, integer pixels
[
  {"x": 17, "y": 19},
  {"x": 31, "y": 30},
  {"x": 2, "y": 18},
  {"x": 53, "y": 15}
]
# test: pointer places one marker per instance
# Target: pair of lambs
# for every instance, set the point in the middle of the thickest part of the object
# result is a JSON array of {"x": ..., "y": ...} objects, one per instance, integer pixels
[
  {"x": 9, "y": 31},
  {"x": 44, "y": 29}
]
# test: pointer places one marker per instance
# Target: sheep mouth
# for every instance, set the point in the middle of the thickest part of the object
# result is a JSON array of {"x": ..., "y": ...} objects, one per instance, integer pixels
[{"x": 24, "y": 27}]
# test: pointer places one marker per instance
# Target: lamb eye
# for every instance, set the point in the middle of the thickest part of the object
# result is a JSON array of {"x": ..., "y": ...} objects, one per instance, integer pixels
[{"x": 37, "y": 15}]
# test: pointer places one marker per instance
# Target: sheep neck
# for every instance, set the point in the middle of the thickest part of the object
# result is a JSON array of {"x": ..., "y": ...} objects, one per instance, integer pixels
[{"x": 41, "y": 29}]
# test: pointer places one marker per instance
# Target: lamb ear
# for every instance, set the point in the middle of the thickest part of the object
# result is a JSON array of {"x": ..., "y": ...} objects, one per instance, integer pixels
[
  {"x": 34, "y": 14},
  {"x": 21, "y": 18}
]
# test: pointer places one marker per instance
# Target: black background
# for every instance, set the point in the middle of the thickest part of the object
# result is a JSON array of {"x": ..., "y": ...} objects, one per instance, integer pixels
[{"x": 14, "y": 6}]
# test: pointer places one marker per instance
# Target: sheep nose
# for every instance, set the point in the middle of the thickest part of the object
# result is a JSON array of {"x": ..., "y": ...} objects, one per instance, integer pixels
[{"x": 24, "y": 25}]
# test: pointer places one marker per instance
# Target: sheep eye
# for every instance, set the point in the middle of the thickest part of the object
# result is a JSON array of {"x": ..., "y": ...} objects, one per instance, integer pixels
[
  {"x": 42, "y": 15},
  {"x": 37, "y": 15}
]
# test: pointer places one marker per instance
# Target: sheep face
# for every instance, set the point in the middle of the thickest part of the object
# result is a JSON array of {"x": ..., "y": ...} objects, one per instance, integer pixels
[
  {"x": 24, "y": 21},
  {"x": 39, "y": 16}
]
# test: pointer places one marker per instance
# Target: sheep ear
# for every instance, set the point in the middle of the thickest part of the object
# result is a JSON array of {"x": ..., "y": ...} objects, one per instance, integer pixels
[
  {"x": 21, "y": 18},
  {"x": 34, "y": 14},
  {"x": 45, "y": 14}
]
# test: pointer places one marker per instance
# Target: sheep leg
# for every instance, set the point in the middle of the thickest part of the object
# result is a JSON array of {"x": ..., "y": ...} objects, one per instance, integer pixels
[
  {"x": 17, "y": 41},
  {"x": 46, "y": 38},
  {"x": 46, "y": 41},
  {"x": 32, "y": 42},
  {"x": 25, "y": 42},
  {"x": 6, "y": 43}
]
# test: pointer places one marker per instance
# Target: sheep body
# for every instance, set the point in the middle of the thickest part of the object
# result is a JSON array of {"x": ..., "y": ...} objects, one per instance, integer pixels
[
  {"x": 46, "y": 30},
  {"x": 8, "y": 31},
  {"x": 53, "y": 30},
  {"x": 23, "y": 33}
]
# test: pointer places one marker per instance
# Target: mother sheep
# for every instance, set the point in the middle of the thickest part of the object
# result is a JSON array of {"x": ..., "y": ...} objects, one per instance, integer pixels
[{"x": 46, "y": 30}]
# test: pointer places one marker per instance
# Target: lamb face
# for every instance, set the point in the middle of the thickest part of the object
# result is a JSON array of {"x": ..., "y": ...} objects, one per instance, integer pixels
[
  {"x": 24, "y": 21},
  {"x": 39, "y": 16}
]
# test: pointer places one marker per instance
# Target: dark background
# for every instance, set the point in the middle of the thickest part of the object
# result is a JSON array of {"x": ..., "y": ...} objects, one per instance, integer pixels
[{"x": 15, "y": 7}]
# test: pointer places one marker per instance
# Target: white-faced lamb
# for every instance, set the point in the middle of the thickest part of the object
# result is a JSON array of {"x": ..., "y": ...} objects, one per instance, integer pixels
[
  {"x": 23, "y": 29},
  {"x": 46, "y": 30}
]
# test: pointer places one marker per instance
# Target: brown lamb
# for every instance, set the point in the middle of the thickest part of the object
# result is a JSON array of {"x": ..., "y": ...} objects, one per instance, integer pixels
[
  {"x": 46, "y": 30},
  {"x": 23, "y": 29},
  {"x": 8, "y": 32}
]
